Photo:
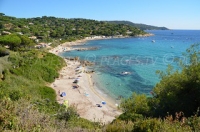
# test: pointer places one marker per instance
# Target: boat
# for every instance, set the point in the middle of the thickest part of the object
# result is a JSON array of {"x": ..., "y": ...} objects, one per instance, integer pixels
[
  {"x": 153, "y": 41},
  {"x": 126, "y": 73}
]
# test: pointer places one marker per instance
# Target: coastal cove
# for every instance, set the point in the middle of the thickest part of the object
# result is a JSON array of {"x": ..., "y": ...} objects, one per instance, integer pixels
[
  {"x": 141, "y": 56},
  {"x": 76, "y": 82},
  {"x": 85, "y": 94},
  {"x": 99, "y": 66}
]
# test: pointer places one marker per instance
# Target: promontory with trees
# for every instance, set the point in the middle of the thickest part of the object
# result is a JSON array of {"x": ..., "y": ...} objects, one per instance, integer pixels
[
  {"x": 28, "y": 104},
  {"x": 48, "y": 29}
]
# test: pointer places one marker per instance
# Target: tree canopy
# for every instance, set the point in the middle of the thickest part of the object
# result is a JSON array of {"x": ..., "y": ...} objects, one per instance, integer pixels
[
  {"x": 55, "y": 28},
  {"x": 14, "y": 41},
  {"x": 140, "y": 26}
]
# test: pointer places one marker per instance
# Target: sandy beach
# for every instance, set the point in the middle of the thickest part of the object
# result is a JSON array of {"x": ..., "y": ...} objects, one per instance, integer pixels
[{"x": 82, "y": 94}]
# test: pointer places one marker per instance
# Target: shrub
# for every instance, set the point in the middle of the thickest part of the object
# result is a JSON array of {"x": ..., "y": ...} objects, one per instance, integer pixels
[
  {"x": 120, "y": 126},
  {"x": 3, "y": 51},
  {"x": 128, "y": 116},
  {"x": 15, "y": 95},
  {"x": 136, "y": 104},
  {"x": 68, "y": 114},
  {"x": 47, "y": 93},
  {"x": 7, "y": 116}
]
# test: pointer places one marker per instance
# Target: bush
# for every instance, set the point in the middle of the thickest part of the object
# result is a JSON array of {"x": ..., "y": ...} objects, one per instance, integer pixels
[
  {"x": 120, "y": 126},
  {"x": 136, "y": 104},
  {"x": 36, "y": 65},
  {"x": 128, "y": 116},
  {"x": 4, "y": 66},
  {"x": 3, "y": 51},
  {"x": 68, "y": 114},
  {"x": 47, "y": 93},
  {"x": 15, "y": 95},
  {"x": 148, "y": 125},
  {"x": 7, "y": 116}
]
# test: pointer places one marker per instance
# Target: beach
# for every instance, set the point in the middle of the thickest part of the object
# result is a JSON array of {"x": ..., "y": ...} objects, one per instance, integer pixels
[{"x": 79, "y": 87}]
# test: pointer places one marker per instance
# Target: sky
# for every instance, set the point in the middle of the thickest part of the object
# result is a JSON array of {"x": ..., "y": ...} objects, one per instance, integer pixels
[{"x": 173, "y": 14}]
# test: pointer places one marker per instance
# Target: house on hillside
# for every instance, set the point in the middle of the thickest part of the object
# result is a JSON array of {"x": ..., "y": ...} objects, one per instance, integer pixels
[
  {"x": 128, "y": 32},
  {"x": 41, "y": 45},
  {"x": 33, "y": 37},
  {"x": 6, "y": 33}
]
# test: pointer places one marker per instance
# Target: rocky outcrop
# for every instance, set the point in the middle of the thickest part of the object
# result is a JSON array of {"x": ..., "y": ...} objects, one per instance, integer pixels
[
  {"x": 84, "y": 49},
  {"x": 145, "y": 35},
  {"x": 86, "y": 63},
  {"x": 72, "y": 58}
]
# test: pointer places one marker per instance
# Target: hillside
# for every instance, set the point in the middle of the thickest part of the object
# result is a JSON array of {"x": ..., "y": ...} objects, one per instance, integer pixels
[
  {"x": 140, "y": 26},
  {"x": 48, "y": 28}
]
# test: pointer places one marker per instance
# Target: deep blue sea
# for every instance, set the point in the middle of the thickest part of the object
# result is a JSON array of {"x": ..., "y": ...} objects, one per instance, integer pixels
[{"x": 139, "y": 56}]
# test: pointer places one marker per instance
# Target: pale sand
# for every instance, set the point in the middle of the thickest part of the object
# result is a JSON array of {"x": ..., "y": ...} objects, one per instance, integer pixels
[{"x": 85, "y": 97}]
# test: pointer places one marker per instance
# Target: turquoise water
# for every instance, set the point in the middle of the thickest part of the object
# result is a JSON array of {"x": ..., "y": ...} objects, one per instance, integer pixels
[{"x": 140, "y": 56}]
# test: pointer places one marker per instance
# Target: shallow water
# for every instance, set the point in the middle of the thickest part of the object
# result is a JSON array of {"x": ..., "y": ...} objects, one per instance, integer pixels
[{"x": 140, "y": 56}]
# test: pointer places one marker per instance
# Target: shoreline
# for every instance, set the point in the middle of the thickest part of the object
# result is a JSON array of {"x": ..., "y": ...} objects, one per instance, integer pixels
[
  {"x": 85, "y": 98},
  {"x": 67, "y": 46}
]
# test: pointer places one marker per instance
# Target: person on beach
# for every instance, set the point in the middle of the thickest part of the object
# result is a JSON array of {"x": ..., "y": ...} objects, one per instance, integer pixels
[{"x": 58, "y": 92}]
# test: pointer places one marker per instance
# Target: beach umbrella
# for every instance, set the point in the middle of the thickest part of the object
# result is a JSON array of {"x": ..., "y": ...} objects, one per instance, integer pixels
[
  {"x": 63, "y": 94},
  {"x": 103, "y": 102}
]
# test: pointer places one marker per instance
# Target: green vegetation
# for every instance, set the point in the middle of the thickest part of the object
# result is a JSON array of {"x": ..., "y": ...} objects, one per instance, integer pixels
[
  {"x": 28, "y": 104},
  {"x": 16, "y": 42},
  {"x": 52, "y": 29},
  {"x": 140, "y": 26},
  {"x": 3, "y": 51}
]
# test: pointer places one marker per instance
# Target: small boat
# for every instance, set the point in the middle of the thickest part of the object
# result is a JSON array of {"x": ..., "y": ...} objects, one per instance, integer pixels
[
  {"x": 153, "y": 41},
  {"x": 126, "y": 73}
]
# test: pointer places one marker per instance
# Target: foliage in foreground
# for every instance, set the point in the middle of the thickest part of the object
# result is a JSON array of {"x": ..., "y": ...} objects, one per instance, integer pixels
[
  {"x": 25, "y": 116},
  {"x": 177, "y": 96},
  {"x": 150, "y": 125}
]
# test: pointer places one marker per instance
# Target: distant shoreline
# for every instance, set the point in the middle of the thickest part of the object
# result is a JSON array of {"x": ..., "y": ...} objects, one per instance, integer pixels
[{"x": 67, "y": 46}]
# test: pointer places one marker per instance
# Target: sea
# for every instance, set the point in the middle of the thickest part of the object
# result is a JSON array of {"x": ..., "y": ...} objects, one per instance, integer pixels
[{"x": 127, "y": 65}]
